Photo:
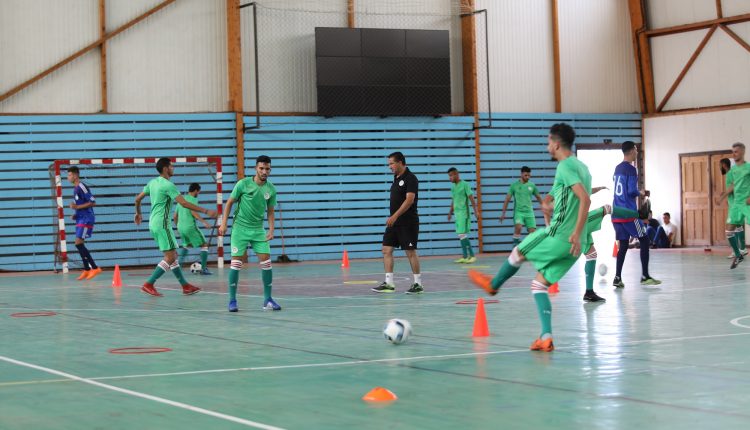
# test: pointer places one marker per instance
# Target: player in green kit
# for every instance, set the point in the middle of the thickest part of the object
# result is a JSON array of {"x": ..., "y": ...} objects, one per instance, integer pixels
[
  {"x": 738, "y": 184},
  {"x": 734, "y": 217},
  {"x": 523, "y": 213},
  {"x": 461, "y": 196},
  {"x": 554, "y": 249},
  {"x": 255, "y": 198},
  {"x": 163, "y": 192},
  {"x": 190, "y": 234}
]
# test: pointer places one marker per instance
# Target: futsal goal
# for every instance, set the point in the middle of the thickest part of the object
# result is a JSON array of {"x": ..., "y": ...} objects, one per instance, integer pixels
[{"x": 115, "y": 182}]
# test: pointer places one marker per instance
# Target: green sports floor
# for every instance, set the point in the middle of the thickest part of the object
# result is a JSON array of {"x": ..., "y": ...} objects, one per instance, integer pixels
[{"x": 675, "y": 356}]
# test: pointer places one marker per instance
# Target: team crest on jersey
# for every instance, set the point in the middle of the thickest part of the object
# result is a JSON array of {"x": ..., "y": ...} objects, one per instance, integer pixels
[
  {"x": 401, "y": 183},
  {"x": 234, "y": 250},
  {"x": 267, "y": 196},
  {"x": 529, "y": 188}
]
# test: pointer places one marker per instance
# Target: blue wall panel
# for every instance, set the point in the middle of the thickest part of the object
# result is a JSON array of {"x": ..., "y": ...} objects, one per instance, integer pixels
[
  {"x": 29, "y": 144},
  {"x": 333, "y": 179},
  {"x": 518, "y": 139}
]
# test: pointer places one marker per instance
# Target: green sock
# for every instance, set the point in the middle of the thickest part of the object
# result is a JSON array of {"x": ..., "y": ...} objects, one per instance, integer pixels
[
  {"x": 204, "y": 259},
  {"x": 234, "y": 278},
  {"x": 733, "y": 242},
  {"x": 267, "y": 276},
  {"x": 741, "y": 239},
  {"x": 178, "y": 274},
  {"x": 544, "y": 307},
  {"x": 183, "y": 254},
  {"x": 589, "y": 268},
  {"x": 505, "y": 273},
  {"x": 156, "y": 275},
  {"x": 469, "y": 251},
  {"x": 620, "y": 212},
  {"x": 463, "y": 249}
]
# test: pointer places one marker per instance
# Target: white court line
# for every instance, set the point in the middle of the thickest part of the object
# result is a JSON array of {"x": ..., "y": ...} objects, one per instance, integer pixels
[
  {"x": 736, "y": 322},
  {"x": 144, "y": 396}
]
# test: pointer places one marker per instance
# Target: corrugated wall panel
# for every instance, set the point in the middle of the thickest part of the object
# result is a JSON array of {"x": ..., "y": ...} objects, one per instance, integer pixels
[
  {"x": 520, "y": 56},
  {"x": 596, "y": 57},
  {"x": 29, "y": 144},
  {"x": 668, "y": 13},
  {"x": 174, "y": 61},
  {"x": 735, "y": 7},
  {"x": 333, "y": 180},
  {"x": 720, "y": 74},
  {"x": 36, "y": 35}
]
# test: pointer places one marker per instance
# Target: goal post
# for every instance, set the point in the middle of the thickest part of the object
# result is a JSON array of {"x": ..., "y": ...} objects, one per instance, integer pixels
[{"x": 107, "y": 173}]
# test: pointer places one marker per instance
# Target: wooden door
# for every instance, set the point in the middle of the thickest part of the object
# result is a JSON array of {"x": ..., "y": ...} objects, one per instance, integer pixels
[
  {"x": 718, "y": 213},
  {"x": 696, "y": 203}
]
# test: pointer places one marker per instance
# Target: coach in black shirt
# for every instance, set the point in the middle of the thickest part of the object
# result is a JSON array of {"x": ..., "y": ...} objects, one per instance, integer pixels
[{"x": 402, "y": 227}]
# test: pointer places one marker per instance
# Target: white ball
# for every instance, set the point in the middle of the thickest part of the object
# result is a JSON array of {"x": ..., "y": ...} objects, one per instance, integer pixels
[
  {"x": 602, "y": 269},
  {"x": 195, "y": 267},
  {"x": 397, "y": 331}
]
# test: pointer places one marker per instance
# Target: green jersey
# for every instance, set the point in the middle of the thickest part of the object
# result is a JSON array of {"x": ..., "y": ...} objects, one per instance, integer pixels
[
  {"x": 252, "y": 202},
  {"x": 729, "y": 181},
  {"x": 185, "y": 218},
  {"x": 522, "y": 194},
  {"x": 162, "y": 192},
  {"x": 460, "y": 193},
  {"x": 741, "y": 179},
  {"x": 569, "y": 172}
]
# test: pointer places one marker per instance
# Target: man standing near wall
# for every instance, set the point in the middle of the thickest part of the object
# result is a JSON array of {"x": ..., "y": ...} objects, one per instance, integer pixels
[
  {"x": 402, "y": 227},
  {"x": 626, "y": 191},
  {"x": 461, "y": 195},
  {"x": 738, "y": 185}
]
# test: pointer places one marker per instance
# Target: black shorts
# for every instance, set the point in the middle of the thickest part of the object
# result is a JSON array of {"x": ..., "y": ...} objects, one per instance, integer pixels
[{"x": 403, "y": 236}]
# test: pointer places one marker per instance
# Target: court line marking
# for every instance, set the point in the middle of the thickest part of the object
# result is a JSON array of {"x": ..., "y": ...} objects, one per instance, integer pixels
[
  {"x": 180, "y": 405},
  {"x": 355, "y": 362},
  {"x": 736, "y": 322}
]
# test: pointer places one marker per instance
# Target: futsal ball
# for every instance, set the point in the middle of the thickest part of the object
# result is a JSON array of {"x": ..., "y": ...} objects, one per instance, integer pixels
[
  {"x": 195, "y": 267},
  {"x": 602, "y": 269},
  {"x": 397, "y": 331}
]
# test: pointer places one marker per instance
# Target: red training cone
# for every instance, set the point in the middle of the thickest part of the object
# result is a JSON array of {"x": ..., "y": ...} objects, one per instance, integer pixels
[
  {"x": 116, "y": 279},
  {"x": 481, "y": 329},
  {"x": 615, "y": 250},
  {"x": 554, "y": 288},
  {"x": 345, "y": 260},
  {"x": 379, "y": 394}
]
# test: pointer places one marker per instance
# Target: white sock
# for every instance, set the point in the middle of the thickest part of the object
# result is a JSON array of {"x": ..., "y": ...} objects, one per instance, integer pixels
[
  {"x": 418, "y": 278},
  {"x": 389, "y": 278}
]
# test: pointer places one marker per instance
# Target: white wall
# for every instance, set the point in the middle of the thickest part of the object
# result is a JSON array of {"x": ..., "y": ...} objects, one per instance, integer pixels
[
  {"x": 667, "y": 137},
  {"x": 36, "y": 35}
]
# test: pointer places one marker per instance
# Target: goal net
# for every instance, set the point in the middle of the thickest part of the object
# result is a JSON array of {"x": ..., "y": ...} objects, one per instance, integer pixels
[{"x": 115, "y": 182}]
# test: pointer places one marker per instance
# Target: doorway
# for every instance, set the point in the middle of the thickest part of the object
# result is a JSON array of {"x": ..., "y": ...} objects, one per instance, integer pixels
[{"x": 701, "y": 182}]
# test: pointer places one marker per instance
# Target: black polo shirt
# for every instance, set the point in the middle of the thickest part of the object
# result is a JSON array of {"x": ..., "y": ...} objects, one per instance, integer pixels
[{"x": 406, "y": 183}]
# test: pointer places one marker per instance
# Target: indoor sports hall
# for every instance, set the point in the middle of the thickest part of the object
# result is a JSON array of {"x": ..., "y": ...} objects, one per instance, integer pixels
[{"x": 336, "y": 214}]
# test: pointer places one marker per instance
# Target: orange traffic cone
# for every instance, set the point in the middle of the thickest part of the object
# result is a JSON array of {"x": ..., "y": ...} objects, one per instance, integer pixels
[
  {"x": 615, "y": 250},
  {"x": 116, "y": 279},
  {"x": 345, "y": 260},
  {"x": 554, "y": 288},
  {"x": 481, "y": 329},
  {"x": 379, "y": 394}
]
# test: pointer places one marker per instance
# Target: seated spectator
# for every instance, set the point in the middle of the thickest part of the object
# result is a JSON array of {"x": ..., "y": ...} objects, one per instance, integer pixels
[{"x": 665, "y": 234}]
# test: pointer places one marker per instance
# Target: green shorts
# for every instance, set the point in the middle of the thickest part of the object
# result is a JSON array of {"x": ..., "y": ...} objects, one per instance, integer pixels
[
  {"x": 593, "y": 223},
  {"x": 463, "y": 224},
  {"x": 525, "y": 218},
  {"x": 736, "y": 214},
  {"x": 242, "y": 238},
  {"x": 550, "y": 255},
  {"x": 192, "y": 237},
  {"x": 164, "y": 238}
]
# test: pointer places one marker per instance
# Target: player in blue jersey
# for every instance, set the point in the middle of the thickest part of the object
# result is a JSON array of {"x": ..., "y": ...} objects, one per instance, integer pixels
[
  {"x": 83, "y": 203},
  {"x": 626, "y": 192}
]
